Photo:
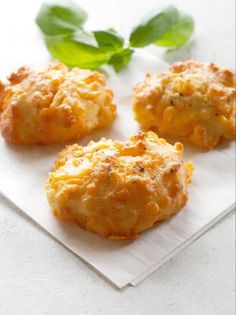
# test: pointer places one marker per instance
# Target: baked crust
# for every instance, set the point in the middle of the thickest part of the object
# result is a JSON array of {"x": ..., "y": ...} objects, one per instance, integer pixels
[
  {"x": 192, "y": 102},
  {"x": 2, "y": 94},
  {"x": 53, "y": 104},
  {"x": 119, "y": 189}
]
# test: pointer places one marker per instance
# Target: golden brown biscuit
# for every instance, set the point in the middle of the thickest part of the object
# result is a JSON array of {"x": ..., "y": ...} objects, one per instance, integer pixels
[
  {"x": 53, "y": 104},
  {"x": 119, "y": 189},
  {"x": 191, "y": 101}
]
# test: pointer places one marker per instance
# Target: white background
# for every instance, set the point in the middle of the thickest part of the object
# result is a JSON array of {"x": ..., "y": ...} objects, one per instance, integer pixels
[{"x": 39, "y": 276}]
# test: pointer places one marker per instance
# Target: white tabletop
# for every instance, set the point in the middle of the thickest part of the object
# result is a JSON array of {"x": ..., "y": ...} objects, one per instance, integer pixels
[{"x": 38, "y": 275}]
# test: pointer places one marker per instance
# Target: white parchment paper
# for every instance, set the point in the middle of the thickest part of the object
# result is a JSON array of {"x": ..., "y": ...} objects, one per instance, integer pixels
[{"x": 23, "y": 171}]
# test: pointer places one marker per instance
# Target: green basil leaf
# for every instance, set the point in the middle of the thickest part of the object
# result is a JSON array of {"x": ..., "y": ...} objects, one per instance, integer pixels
[
  {"x": 153, "y": 26},
  {"x": 179, "y": 34},
  {"x": 60, "y": 17},
  {"x": 74, "y": 52},
  {"x": 112, "y": 30},
  {"x": 121, "y": 59},
  {"x": 84, "y": 37},
  {"x": 108, "y": 41}
]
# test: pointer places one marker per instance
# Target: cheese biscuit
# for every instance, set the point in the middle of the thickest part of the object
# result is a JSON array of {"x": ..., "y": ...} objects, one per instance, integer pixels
[
  {"x": 192, "y": 102},
  {"x": 119, "y": 189},
  {"x": 54, "y": 104}
]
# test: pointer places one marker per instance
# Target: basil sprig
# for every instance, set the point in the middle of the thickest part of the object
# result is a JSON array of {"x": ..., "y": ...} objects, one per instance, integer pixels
[
  {"x": 179, "y": 34},
  {"x": 121, "y": 59},
  {"x": 153, "y": 26},
  {"x": 60, "y": 17},
  {"x": 109, "y": 41},
  {"x": 62, "y": 23},
  {"x": 75, "y": 52}
]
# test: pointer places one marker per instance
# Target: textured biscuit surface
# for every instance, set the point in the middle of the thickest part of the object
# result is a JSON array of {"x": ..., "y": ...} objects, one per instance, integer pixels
[
  {"x": 192, "y": 102},
  {"x": 118, "y": 189},
  {"x": 2, "y": 95},
  {"x": 53, "y": 104}
]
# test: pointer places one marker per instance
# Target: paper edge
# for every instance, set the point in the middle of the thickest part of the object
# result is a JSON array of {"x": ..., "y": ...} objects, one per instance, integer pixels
[
  {"x": 177, "y": 250},
  {"x": 150, "y": 270}
]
